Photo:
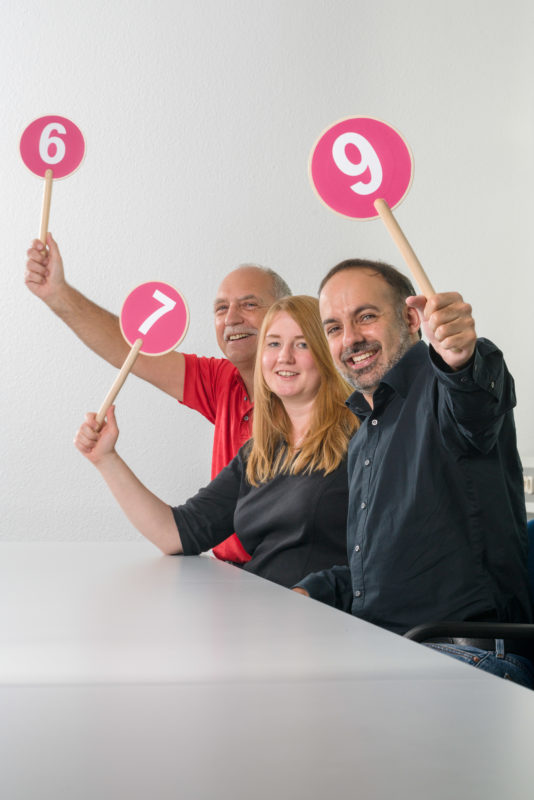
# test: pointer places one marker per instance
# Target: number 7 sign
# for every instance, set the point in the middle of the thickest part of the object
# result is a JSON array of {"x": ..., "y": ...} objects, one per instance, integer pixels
[
  {"x": 154, "y": 320},
  {"x": 156, "y": 313}
]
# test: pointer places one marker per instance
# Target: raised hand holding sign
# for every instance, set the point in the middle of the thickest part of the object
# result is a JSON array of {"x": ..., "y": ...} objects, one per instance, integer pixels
[
  {"x": 154, "y": 320},
  {"x": 374, "y": 152},
  {"x": 51, "y": 147}
]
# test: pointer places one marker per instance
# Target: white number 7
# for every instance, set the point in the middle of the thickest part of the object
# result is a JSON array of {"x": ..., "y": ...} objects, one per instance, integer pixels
[{"x": 167, "y": 304}]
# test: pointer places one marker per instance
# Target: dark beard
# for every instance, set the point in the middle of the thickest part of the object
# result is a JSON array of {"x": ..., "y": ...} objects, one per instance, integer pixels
[{"x": 364, "y": 386}]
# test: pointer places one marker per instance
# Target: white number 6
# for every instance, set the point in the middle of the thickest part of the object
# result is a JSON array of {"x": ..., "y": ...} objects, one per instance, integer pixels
[
  {"x": 167, "y": 304},
  {"x": 46, "y": 141},
  {"x": 369, "y": 159}
]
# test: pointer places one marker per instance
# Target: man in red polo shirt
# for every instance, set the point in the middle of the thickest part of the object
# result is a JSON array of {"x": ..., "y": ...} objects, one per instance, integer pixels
[{"x": 219, "y": 388}]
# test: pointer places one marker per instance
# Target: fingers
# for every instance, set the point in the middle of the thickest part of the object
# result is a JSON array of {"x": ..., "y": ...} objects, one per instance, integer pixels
[
  {"x": 299, "y": 590},
  {"x": 37, "y": 263},
  {"x": 447, "y": 315},
  {"x": 87, "y": 436},
  {"x": 94, "y": 441}
]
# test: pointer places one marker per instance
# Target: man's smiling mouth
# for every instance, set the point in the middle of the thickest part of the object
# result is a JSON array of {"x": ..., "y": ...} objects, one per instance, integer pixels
[
  {"x": 234, "y": 337},
  {"x": 355, "y": 359}
]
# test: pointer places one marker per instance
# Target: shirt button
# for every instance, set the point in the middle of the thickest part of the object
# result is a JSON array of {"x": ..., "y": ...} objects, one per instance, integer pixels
[
  {"x": 246, "y": 417},
  {"x": 367, "y": 462},
  {"x": 492, "y": 385},
  {"x": 363, "y": 505},
  {"x": 374, "y": 422},
  {"x": 357, "y": 593},
  {"x": 357, "y": 548}
]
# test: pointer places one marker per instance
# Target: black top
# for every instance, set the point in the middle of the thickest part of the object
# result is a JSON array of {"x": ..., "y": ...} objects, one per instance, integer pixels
[
  {"x": 436, "y": 526},
  {"x": 290, "y": 526}
]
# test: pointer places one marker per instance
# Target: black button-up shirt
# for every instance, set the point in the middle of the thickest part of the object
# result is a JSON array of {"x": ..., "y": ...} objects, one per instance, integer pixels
[
  {"x": 290, "y": 525},
  {"x": 436, "y": 524}
]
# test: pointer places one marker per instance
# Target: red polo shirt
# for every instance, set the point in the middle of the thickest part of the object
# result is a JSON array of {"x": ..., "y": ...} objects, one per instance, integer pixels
[{"x": 214, "y": 387}]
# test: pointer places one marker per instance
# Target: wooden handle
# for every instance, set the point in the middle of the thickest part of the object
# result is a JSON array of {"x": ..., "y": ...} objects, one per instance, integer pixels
[
  {"x": 45, "y": 210},
  {"x": 119, "y": 380},
  {"x": 412, "y": 262}
]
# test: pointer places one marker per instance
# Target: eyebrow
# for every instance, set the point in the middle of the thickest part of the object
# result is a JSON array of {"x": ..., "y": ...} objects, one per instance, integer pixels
[
  {"x": 277, "y": 336},
  {"x": 219, "y": 300},
  {"x": 366, "y": 307}
]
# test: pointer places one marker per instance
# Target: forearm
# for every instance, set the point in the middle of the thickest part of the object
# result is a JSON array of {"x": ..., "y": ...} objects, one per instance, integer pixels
[
  {"x": 97, "y": 328},
  {"x": 150, "y": 515},
  {"x": 474, "y": 401},
  {"x": 100, "y": 331}
]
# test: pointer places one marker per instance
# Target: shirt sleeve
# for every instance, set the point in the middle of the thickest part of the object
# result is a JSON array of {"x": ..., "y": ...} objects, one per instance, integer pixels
[
  {"x": 331, "y": 586},
  {"x": 201, "y": 384},
  {"x": 208, "y": 518},
  {"x": 475, "y": 400}
]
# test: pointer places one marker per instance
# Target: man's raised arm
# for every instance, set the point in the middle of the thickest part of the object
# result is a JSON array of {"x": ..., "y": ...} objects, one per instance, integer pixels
[{"x": 96, "y": 327}]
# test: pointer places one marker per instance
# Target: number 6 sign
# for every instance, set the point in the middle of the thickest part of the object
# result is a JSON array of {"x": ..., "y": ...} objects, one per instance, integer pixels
[
  {"x": 52, "y": 143},
  {"x": 51, "y": 147},
  {"x": 154, "y": 320}
]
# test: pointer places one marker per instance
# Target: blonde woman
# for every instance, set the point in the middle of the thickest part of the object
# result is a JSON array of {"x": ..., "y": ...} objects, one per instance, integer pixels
[{"x": 285, "y": 492}]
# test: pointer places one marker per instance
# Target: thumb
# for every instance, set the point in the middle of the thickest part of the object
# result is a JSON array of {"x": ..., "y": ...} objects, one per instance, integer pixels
[
  {"x": 52, "y": 245},
  {"x": 110, "y": 416},
  {"x": 418, "y": 302}
]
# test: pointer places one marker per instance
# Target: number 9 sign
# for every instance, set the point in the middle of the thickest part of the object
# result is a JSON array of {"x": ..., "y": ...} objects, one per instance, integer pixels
[
  {"x": 370, "y": 151},
  {"x": 53, "y": 143}
]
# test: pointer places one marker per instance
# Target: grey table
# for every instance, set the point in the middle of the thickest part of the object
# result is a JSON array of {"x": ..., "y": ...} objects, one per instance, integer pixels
[{"x": 124, "y": 673}]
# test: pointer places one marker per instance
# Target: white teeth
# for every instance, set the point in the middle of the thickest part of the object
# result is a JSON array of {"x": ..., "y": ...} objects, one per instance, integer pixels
[
  {"x": 236, "y": 336},
  {"x": 285, "y": 374},
  {"x": 362, "y": 357}
]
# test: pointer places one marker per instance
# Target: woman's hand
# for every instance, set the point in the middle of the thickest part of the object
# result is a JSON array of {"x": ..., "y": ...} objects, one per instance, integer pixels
[{"x": 97, "y": 444}]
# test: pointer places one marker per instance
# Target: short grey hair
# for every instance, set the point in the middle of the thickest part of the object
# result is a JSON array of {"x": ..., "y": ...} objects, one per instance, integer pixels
[{"x": 280, "y": 287}]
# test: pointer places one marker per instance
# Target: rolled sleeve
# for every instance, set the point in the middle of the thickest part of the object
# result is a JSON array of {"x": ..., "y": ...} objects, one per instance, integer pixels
[{"x": 208, "y": 518}]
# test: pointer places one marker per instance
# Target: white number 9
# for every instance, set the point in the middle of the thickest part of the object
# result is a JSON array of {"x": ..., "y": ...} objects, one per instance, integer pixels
[
  {"x": 369, "y": 159},
  {"x": 47, "y": 140}
]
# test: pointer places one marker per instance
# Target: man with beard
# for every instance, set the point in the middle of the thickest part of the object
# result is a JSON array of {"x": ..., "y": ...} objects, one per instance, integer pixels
[
  {"x": 219, "y": 388},
  {"x": 436, "y": 525}
]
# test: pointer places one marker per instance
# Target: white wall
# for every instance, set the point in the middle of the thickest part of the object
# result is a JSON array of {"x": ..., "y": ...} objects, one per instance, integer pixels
[{"x": 199, "y": 117}]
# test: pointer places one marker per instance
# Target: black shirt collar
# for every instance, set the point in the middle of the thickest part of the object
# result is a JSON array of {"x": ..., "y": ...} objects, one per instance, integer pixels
[{"x": 399, "y": 379}]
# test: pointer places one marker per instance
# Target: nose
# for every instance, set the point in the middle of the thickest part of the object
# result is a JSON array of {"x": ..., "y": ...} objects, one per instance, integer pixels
[
  {"x": 351, "y": 334},
  {"x": 286, "y": 354},
  {"x": 233, "y": 315}
]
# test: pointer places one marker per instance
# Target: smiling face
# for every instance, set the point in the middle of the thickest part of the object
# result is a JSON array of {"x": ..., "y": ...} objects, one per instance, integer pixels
[
  {"x": 366, "y": 332},
  {"x": 241, "y": 304},
  {"x": 288, "y": 367}
]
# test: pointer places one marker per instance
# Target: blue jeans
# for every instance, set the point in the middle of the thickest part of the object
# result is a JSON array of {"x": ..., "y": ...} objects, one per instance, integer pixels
[{"x": 506, "y": 665}]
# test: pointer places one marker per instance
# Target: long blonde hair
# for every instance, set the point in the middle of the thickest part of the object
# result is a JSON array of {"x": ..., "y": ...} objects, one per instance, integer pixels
[{"x": 332, "y": 424}]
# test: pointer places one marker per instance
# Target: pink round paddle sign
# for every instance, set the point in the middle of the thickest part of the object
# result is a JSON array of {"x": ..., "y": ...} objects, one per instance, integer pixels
[
  {"x": 53, "y": 143},
  {"x": 357, "y": 161},
  {"x": 156, "y": 313}
]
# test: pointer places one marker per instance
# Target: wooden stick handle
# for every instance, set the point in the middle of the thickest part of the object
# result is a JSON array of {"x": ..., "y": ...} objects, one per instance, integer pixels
[
  {"x": 119, "y": 380},
  {"x": 45, "y": 210},
  {"x": 412, "y": 262}
]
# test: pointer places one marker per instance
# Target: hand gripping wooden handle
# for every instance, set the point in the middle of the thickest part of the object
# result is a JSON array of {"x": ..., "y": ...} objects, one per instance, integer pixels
[{"x": 119, "y": 380}]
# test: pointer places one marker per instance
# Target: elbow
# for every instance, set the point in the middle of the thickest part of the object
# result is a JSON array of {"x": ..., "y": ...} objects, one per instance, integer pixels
[
  {"x": 169, "y": 551},
  {"x": 171, "y": 548}
]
